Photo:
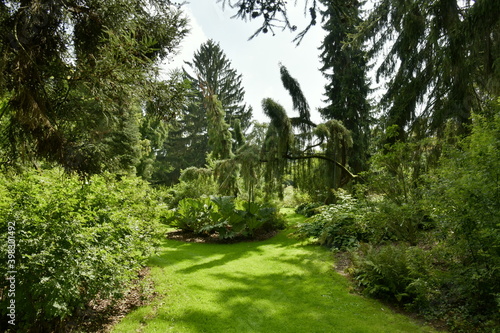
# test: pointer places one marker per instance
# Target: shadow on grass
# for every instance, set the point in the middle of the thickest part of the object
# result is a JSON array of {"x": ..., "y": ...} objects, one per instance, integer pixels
[{"x": 277, "y": 285}]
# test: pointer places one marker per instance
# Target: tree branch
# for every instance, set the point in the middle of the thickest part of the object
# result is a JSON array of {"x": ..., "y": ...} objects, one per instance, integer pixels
[{"x": 322, "y": 157}]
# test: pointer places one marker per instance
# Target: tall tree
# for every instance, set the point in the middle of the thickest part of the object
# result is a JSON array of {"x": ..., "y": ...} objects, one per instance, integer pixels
[
  {"x": 189, "y": 139},
  {"x": 345, "y": 67},
  {"x": 186, "y": 145},
  {"x": 439, "y": 57},
  {"x": 75, "y": 74},
  {"x": 300, "y": 140},
  {"x": 220, "y": 140},
  {"x": 212, "y": 69}
]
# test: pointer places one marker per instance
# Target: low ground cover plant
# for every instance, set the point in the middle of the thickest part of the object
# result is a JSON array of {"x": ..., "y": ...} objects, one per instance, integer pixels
[{"x": 225, "y": 216}]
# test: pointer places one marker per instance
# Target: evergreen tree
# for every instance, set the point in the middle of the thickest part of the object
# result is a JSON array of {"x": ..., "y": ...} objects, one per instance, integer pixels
[
  {"x": 300, "y": 140},
  {"x": 212, "y": 68},
  {"x": 344, "y": 65},
  {"x": 186, "y": 145},
  {"x": 439, "y": 58},
  {"x": 75, "y": 75},
  {"x": 220, "y": 140},
  {"x": 189, "y": 139}
]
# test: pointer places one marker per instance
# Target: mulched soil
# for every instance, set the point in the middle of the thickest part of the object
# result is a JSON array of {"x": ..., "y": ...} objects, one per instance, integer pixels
[
  {"x": 342, "y": 263},
  {"x": 101, "y": 315},
  {"x": 190, "y": 237}
]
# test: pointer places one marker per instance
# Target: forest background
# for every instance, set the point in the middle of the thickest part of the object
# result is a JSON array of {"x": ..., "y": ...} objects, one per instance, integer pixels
[{"x": 97, "y": 149}]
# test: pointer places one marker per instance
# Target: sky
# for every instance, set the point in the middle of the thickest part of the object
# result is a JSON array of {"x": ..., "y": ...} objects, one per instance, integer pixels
[{"x": 258, "y": 59}]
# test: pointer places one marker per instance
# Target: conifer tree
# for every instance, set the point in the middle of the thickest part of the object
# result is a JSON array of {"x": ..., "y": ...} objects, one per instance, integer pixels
[
  {"x": 189, "y": 139},
  {"x": 76, "y": 74},
  {"x": 439, "y": 58},
  {"x": 211, "y": 67},
  {"x": 344, "y": 65}
]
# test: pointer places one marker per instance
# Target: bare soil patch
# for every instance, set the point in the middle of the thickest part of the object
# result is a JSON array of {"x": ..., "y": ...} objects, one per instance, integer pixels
[
  {"x": 100, "y": 315},
  {"x": 191, "y": 237}
]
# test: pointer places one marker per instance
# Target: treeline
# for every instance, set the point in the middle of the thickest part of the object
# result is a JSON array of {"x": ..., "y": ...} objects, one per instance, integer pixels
[{"x": 409, "y": 184}]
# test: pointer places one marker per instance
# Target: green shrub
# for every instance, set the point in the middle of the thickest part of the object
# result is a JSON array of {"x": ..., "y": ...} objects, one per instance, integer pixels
[
  {"x": 190, "y": 215},
  {"x": 339, "y": 226},
  {"x": 383, "y": 272},
  {"x": 73, "y": 241},
  {"x": 427, "y": 281},
  {"x": 308, "y": 209},
  {"x": 226, "y": 216},
  {"x": 193, "y": 183}
]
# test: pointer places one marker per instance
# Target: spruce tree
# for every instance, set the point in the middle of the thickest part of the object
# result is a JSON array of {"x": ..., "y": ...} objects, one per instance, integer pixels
[
  {"x": 189, "y": 139},
  {"x": 438, "y": 57},
  {"x": 76, "y": 75},
  {"x": 211, "y": 67},
  {"x": 345, "y": 66}
]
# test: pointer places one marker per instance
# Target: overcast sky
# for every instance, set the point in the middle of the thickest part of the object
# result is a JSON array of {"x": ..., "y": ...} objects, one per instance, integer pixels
[{"x": 257, "y": 60}]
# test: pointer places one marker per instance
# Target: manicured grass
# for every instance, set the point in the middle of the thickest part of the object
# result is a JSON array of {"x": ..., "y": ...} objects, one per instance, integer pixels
[{"x": 278, "y": 285}]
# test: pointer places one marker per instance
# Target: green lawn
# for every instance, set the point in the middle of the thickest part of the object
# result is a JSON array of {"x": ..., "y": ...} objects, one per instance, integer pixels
[{"x": 278, "y": 285}]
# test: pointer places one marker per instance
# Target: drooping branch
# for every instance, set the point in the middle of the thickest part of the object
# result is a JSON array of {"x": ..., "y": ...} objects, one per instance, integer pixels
[{"x": 325, "y": 158}]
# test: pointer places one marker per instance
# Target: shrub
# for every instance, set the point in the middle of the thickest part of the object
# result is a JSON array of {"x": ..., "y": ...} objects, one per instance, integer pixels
[
  {"x": 427, "y": 281},
  {"x": 226, "y": 216},
  {"x": 383, "y": 272},
  {"x": 308, "y": 209},
  {"x": 193, "y": 183},
  {"x": 339, "y": 226},
  {"x": 73, "y": 241}
]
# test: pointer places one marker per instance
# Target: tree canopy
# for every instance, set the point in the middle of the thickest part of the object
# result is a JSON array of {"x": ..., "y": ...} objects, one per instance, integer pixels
[{"x": 78, "y": 74}]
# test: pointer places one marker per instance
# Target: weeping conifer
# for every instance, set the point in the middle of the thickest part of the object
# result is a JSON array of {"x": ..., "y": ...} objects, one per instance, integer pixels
[
  {"x": 327, "y": 144},
  {"x": 438, "y": 57},
  {"x": 220, "y": 141}
]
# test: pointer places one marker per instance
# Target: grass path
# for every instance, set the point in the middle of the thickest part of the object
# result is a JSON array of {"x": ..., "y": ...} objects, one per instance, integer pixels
[{"x": 273, "y": 286}]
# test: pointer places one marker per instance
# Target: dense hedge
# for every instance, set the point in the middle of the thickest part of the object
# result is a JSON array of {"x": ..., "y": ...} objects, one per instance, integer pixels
[{"x": 73, "y": 241}]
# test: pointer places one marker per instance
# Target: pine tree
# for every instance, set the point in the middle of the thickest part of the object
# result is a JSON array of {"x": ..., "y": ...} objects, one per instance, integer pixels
[{"x": 345, "y": 66}]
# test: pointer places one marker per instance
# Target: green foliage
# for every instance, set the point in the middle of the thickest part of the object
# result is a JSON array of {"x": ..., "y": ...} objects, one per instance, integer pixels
[
  {"x": 77, "y": 75},
  {"x": 74, "y": 241},
  {"x": 449, "y": 217},
  {"x": 465, "y": 198},
  {"x": 193, "y": 183},
  {"x": 212, "y": 70},
  {"x": 383, "y": 272},
  {"x": 191, "y": 215},
  {"x": 437, "y": 56},
  {"x": 308, "y": 209},
  {"x": 340, "y": 226},
  {"x": 345, "y": 67},
  {"x": 225, "y": 216}
]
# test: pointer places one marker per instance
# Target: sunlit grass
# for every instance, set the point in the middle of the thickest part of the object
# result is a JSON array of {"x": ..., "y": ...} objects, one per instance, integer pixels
[{"x": 278, "y": 285}]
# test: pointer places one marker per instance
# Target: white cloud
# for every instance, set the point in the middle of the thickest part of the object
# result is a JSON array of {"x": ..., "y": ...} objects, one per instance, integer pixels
[{"x": 189, "y": 44}]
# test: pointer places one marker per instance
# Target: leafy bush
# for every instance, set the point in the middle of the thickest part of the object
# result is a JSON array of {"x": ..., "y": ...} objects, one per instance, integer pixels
[
  {"x": 193, "y": 183},
  {"x": 226, "y": 216},
  {"x": 465, "y": 198},
  {"x": 308, "y": 209},
  {"x": 340, "y": 226},
  {"x": 191, "y": 214},
  {"x": 383, "y": 272},
  {"x": 74, "y": 241}
]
